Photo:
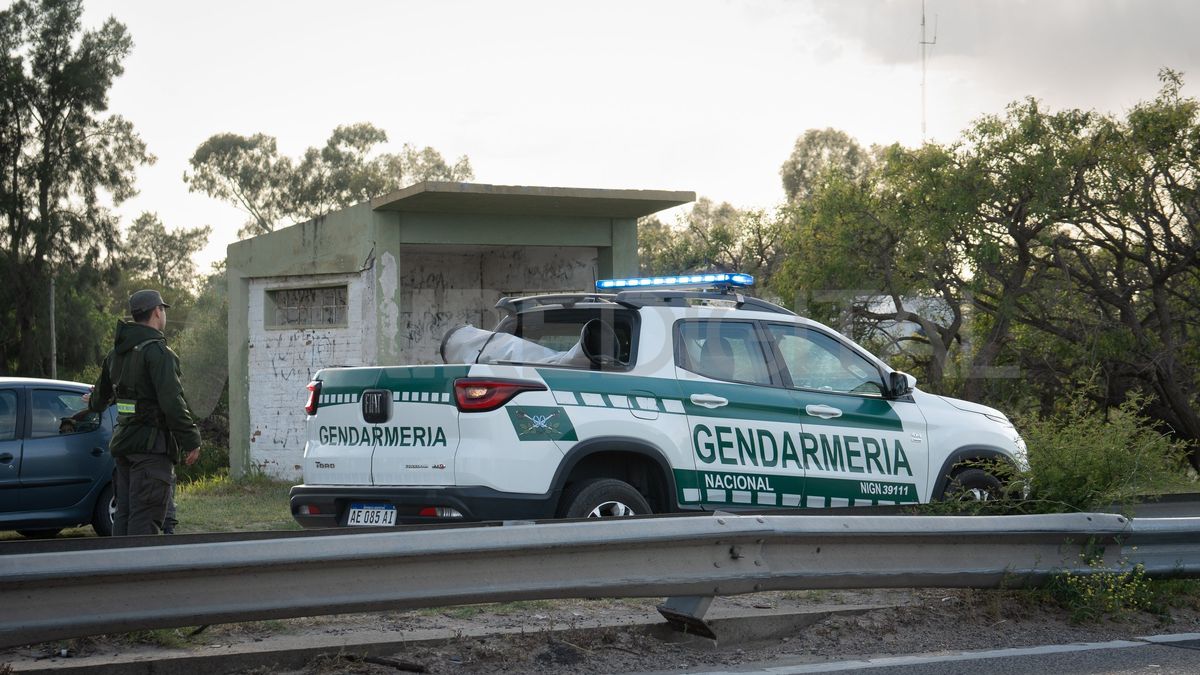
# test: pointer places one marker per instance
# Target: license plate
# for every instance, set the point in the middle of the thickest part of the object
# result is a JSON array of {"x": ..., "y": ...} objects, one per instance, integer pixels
[{"x": 371, "y": 515}]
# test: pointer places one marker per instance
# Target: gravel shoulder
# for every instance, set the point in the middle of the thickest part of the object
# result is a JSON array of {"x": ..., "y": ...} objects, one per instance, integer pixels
[{"x": 604, "y": 635}]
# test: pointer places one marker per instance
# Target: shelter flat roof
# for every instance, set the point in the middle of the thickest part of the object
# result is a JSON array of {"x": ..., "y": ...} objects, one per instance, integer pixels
[{"x": 522, "y": 200}]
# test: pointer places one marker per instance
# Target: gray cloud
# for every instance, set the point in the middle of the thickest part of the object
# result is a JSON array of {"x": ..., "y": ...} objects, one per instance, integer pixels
[{"x": 1085, "y": 53}]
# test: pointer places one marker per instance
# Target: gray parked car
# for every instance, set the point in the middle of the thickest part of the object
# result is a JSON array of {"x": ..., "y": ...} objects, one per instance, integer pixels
[{"x": 55, "y": 467}]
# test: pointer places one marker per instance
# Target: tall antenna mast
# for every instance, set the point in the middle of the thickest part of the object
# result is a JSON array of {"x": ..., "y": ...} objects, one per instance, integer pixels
[{"x": 924, "y": 45}]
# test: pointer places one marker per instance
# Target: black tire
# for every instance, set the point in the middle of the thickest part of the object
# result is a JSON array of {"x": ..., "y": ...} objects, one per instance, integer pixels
[
  {"x": 973, "y": 485},
  {"x": 106, "y": 509},
  {"x": 40, "y": 534},
  {"x": 604, "y": 498}
]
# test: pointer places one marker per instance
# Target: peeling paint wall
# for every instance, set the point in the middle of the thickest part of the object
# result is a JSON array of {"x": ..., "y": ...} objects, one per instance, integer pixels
[
  {"x": 439, "y": 291},
  {"x": 388, "y": 316},
  {"x": 283, "y": 360}
]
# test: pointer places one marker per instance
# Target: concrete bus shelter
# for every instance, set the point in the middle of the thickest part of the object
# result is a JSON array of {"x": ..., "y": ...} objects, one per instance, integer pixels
[{"x": 380, "y": 282}]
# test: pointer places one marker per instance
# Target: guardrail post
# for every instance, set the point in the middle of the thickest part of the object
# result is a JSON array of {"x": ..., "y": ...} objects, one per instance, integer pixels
[{"x": 685, "y": 613}]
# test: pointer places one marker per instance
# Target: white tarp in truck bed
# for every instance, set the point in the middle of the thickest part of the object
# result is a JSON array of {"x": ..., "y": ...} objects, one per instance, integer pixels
[{"x": 468, "y": 344}]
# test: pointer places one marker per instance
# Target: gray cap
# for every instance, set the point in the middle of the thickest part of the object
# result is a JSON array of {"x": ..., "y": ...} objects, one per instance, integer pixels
[{"x": 145, "y": 300}]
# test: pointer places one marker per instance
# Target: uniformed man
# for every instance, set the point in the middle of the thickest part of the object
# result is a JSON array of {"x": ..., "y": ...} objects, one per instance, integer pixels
[{"x": 155, "y": 426}]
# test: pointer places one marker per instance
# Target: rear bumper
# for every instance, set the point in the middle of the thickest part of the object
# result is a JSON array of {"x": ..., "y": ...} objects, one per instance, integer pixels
[{"x": 332, "y": 502}]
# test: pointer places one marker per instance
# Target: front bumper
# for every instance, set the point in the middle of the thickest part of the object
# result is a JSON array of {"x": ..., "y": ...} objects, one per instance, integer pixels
[{"x": 332, "y": 502}]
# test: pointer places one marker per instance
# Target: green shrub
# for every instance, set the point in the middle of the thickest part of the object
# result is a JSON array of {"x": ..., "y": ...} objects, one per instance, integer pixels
[
  {"x": 213, "y": 462},
  {"x": 1081, "y": 460},
  {"x": 1102, "y": 593}
]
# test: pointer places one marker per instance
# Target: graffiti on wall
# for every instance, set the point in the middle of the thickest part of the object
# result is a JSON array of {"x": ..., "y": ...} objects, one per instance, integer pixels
[
  {"x": 283, "y": 360},
  {"x": 440, "y": 291},
  {"x": 298, "y": 355}
]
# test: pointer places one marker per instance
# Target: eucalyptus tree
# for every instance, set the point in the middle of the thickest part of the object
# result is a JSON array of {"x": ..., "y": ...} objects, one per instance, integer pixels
[
  {"x": 817, "y": 154},
  {"x": 713, "y": 236},
  {"x": 1060, "y": 246},
  {"x": 164, "y": 258},
  {"x": 874, "y": 254},
  {"x": 1135, "y": 257},
  {"x": 275, "y": 190},
  {"x": 61, "y": 158}
]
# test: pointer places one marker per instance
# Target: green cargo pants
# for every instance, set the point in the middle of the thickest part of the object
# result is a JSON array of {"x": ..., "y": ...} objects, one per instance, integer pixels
[{"x": 143, "y": 490}]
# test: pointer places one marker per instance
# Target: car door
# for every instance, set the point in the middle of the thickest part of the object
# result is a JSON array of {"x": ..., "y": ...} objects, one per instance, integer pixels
[
  {"x": 11, "y": 423},
  {"x": 742, "y": 421},
  {"x": 66, "y": 452},
  {"x": 858, "y": 448}
]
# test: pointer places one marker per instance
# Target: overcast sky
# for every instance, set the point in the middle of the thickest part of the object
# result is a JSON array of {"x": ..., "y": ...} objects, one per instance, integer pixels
[{"x": 703, "y": 95}]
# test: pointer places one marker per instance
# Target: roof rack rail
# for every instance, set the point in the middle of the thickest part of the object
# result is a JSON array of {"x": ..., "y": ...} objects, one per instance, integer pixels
[
  {"x": 675, "y": 298},
  {"x": 512, "y": 306}
]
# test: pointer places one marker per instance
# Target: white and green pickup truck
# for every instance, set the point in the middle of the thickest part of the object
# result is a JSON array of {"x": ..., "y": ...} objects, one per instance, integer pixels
[{"x": 647, "y": 398}]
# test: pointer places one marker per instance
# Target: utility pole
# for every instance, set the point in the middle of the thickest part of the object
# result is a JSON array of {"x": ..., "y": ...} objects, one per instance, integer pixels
[
  {"x": 53, "y": 336},
  {"x": 924, "y": 45}
]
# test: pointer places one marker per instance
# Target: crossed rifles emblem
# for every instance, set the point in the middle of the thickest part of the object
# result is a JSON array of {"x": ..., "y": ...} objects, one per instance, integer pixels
[{"x": 540, "y": 423}]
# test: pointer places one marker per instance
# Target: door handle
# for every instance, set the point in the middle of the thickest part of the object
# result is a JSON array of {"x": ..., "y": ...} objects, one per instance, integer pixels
[
  {"x": 6, "y": 458},
  {"x": 709, "y": 400},
  {"x": 96, "y": 452},
  {"x": 825, "y": 412}
]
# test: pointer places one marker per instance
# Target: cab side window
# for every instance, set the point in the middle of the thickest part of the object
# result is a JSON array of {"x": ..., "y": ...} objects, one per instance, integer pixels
[
  {"x": 8, "y": 414},
  {"x": 815, "y": 360},
  {"x": 723, "y": 350},
  {"x": 57, "y": 412}
]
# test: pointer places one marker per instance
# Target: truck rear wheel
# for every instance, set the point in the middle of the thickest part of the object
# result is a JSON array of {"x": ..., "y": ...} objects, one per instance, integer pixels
[{"x": 604, "y": 498}]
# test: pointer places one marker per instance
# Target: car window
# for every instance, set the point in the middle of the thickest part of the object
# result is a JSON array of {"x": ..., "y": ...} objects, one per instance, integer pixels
[
  {"x": 559, "y": 329},
  {"x": 815, "y": 360},
  {"x": 8, "y": 414},
  {"x": 56, "y": 412},
  {"x": 723, "y": 350}
]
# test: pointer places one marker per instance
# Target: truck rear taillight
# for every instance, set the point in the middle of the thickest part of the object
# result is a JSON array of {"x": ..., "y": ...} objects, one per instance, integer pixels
[
  {"x": 478, "y": 394},
  {"x": 439, "y": 512},
  {"x": 314, "y": 396}
]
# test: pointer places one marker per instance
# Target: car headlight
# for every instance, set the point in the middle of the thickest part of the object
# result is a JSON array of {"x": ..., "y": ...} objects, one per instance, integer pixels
[{"x": 1022, "y": 453}]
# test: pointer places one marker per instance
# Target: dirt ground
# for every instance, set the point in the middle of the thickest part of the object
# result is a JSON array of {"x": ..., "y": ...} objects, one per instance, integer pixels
[
  {"x": 609, "y": 636},
  {"x": 923, "y": 621}
]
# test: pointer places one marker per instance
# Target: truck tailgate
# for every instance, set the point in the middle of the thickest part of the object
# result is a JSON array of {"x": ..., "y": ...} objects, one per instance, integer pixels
[{"x": 384, "y": 426}]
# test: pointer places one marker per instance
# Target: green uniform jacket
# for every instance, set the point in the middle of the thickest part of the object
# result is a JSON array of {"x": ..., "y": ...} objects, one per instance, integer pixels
[{"x": 141, "y": 376}]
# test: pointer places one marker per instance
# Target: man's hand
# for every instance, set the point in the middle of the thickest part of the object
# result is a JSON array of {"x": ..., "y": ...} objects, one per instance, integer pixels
[
  {"x": 87, "y": 398},
  {"x": 192, "y": 456}
]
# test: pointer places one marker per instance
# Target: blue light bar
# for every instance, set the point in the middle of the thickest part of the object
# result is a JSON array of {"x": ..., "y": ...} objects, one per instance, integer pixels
[{"x": 707, "y": 279}]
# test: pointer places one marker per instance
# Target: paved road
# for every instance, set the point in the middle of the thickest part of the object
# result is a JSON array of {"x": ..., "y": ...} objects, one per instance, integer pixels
[
  {"x": 1180, "y": 508},
  {"x": 1161, "y": 654}
]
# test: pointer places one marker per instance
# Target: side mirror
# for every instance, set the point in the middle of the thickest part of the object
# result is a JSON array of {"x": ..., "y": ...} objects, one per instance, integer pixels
[{"x": 900, "y": 384}]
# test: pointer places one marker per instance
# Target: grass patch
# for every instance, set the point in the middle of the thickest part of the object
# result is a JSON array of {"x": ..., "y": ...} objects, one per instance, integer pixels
[
  {"x": 170, "y": 638},
  {"x": 224, "y": 504},
  {"x": 218, "y": 503},
  {"x": 500, "y": 608},
  {"x": 1168, "y": 594},
  {"x": 818, "y": 596}
]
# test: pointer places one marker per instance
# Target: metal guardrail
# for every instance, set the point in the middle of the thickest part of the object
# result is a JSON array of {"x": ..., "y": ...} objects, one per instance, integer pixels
[{"x": 61, "y": 594}]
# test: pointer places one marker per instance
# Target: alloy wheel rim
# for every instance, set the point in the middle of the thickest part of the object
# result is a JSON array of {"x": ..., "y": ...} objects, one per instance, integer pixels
[{"x": 611, "y": 509}]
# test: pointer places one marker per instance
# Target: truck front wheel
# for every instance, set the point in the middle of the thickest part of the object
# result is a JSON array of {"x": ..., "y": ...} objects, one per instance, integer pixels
[
  {"x": 973, "y": 485},
  {"x": 604, "y": 498}
]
